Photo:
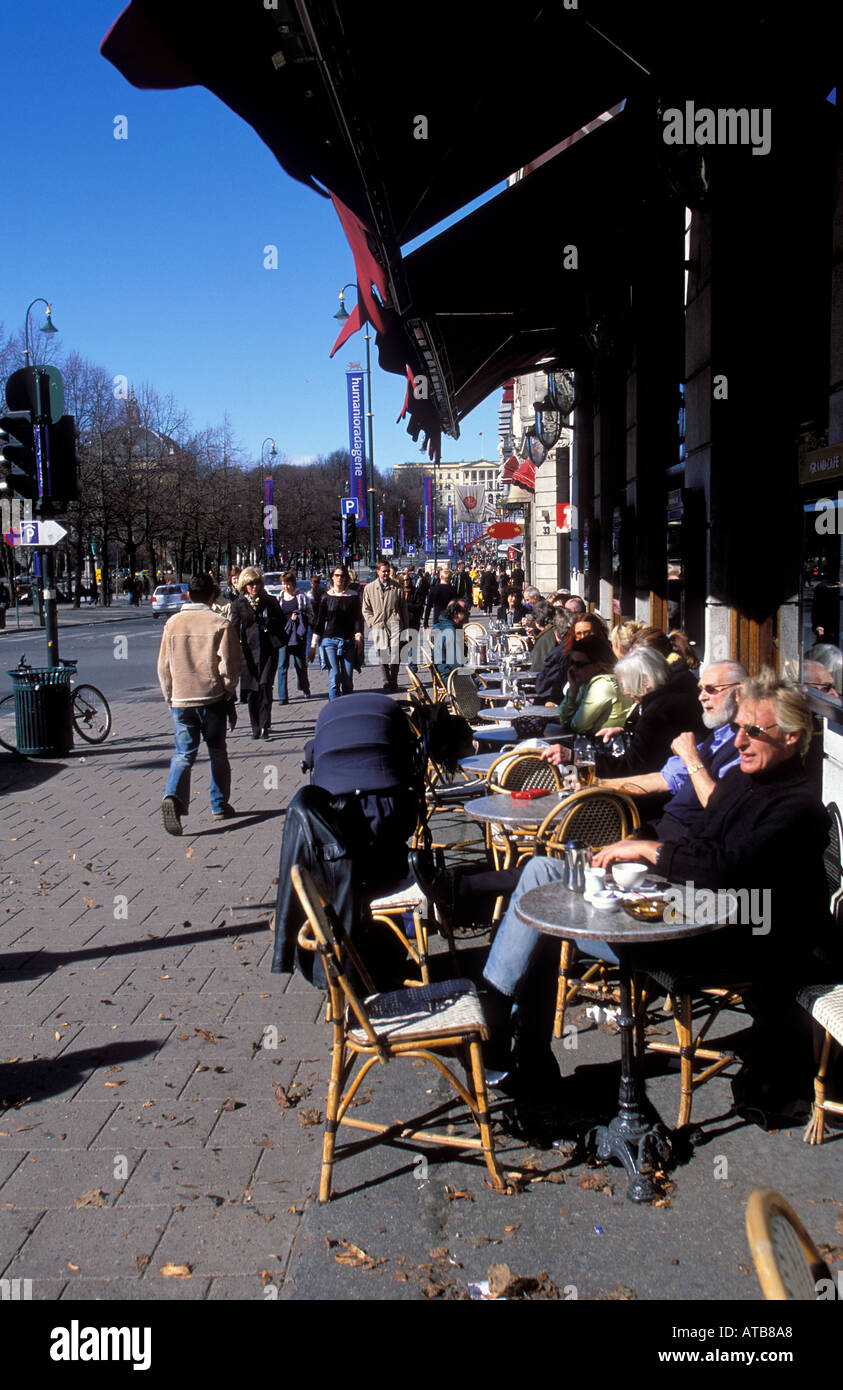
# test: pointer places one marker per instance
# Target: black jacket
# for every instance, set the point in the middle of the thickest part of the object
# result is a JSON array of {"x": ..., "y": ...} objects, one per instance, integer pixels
[
  {"x": 438, "y": 598},
  {"x": 661, "y": 715},
  {"x": 763, "y": 832},
  {"x": 552, "y": 678}
]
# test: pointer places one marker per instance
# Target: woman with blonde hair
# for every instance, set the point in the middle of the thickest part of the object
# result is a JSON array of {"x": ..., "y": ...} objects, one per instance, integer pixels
[
  {"x": 623, "y": 635},
  {"x": 259, "y": 622}
]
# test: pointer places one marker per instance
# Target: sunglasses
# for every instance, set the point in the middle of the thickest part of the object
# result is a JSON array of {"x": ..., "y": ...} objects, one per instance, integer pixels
[
  {"x": 826, "y": 689},
  {"x": 755, "y": 730},
  {"x": 715, "y": 689}
]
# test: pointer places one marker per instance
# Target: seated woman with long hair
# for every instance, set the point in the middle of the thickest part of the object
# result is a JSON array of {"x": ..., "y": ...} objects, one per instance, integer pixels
[{"x": 594, "y": 698}]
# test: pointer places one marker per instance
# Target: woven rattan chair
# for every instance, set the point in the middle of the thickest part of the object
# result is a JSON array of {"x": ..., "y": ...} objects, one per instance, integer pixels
[
  {"x": 443, "y": 792},
  {"x": 431, "y": 1024},
  {"x": 392, "y": 912},
  {"x": 788, "y": 1264},
  {"x": 516, "y": 643},
  {"x": 825, "y": 1002},
  {"x": 596, "y": 817},
  {"x": 825, "y": 1005},
  {"x": 466, "y": 700},
  {"x": 437, "y": 684},
  {"x": 417, "y": 692}
]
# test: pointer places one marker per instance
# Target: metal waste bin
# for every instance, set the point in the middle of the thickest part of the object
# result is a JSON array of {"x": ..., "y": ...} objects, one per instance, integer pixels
[{"x": 42, "y": 710}]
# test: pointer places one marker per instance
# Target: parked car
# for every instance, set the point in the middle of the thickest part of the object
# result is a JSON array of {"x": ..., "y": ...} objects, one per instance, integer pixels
[
  {"x": 168, "y": 598},
  {"x": 272, "y": 582}
]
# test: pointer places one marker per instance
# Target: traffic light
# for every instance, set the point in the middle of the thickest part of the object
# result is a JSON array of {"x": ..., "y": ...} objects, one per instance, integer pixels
[
  {"x": 18, "y": 467},
  {"x": 344, "y": 530},
  {"x": 61, "y": 482},
  {"x": 337, "y": 529},
  {"x": 351, "y": 531}
]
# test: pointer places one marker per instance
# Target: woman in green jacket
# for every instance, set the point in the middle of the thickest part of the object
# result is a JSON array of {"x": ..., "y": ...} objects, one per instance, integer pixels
[{"x": 594, "y": 698}]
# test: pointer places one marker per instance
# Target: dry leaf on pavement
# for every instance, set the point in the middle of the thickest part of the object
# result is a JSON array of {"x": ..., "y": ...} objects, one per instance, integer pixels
[{"x": 171, "y": 1271}]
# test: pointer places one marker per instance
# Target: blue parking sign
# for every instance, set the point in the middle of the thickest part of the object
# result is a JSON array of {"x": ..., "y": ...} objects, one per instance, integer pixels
[{"x": 349, "y": 506}]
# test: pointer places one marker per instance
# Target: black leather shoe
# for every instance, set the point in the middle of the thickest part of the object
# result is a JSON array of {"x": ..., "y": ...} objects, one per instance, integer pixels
[{"x": 436, "y": 884}]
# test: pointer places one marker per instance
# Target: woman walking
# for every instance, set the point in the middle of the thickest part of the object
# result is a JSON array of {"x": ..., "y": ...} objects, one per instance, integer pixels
[
  {"x": 339, "y": 633},
  {"x": 294, "y": 638},
  {"x": 259, "y": 623}
]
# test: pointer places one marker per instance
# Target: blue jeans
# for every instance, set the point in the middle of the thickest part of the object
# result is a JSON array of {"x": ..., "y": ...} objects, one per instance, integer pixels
[
  {"x": 298, "y": 656},
  {"x": 339, "y": 653},
  {"x": 516, "y": 944},
  {"x": 191, "y": 726}
]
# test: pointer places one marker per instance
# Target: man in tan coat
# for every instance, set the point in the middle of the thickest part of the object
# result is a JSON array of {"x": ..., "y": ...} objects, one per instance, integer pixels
[
  {"x": 198, "y": 669},
  {"x": 385, "y": 613}
]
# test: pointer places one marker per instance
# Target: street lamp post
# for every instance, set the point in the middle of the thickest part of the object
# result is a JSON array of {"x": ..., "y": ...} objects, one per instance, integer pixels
[
  {"x": 342, "y": 314},
  {"x": 273, "y": 453},
  {"x": 47, "y": 327}
]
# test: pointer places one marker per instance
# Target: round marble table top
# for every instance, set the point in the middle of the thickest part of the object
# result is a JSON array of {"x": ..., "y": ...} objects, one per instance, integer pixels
[
  {"x": 501, "y": 809},
  {"x": 555, "y": 910}
]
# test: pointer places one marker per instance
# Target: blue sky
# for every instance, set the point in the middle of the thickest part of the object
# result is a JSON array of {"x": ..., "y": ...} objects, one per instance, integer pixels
[{"x": 151, "y": 248}]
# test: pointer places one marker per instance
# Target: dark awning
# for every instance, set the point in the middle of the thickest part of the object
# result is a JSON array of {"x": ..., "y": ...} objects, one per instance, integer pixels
[{"x": 406, "y": 115}]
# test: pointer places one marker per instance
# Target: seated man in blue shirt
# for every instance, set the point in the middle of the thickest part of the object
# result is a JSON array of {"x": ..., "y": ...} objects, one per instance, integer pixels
[{"x": 692, "y": 773}]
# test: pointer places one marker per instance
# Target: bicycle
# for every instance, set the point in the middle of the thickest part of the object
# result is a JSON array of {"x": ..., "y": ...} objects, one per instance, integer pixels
[{"x": 90, "y": 712}]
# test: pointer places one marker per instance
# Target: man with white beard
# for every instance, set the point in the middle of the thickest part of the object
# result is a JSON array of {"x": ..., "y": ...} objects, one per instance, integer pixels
[{"x": 695, "y": 768}]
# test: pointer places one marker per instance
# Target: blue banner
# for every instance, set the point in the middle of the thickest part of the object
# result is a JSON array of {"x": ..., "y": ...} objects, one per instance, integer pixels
[
  {"x": 268, "y": 494},
  {"x": 356, "y": 442},
  {"x": 450, "y": 528}
]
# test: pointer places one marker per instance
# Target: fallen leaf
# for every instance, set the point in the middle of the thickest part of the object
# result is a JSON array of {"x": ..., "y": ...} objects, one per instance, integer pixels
[
  {"x": 310, "y": 1117},
  {"x": 352, "y": 1255},
  {"x": 141, "y": 1261},
  {"x": 231, "y": 1104},
  {"x": 69, "y": 1265},
  {"x": 454, "y": 1194},
  {"x": 190, "y": 854},
  {"x": 114, "y": 1083},
  {"x": 95, "y": 1198},
  {"x": 171, "y": 1271}
]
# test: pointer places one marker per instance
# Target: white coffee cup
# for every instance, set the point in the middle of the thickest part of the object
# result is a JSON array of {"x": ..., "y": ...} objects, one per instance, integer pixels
[
  {"x": 595, "y": 881},
  {"x": 628, "y": 875}
]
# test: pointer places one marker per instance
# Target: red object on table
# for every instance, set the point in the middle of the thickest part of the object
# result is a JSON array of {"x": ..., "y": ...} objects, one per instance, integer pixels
[{"x": 529, "y": 794}]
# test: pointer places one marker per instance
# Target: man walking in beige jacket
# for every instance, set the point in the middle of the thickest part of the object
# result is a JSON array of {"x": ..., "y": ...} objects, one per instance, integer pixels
[
  {"x": 198, "y": 669},
  {"x": 385, "y": 612}
]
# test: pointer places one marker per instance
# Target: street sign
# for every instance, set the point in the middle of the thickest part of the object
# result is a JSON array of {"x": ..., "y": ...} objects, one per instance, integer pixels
[
  {"x": 40, "y": 533},
  {"x": 387, "y": 545},
  {"x": 411, "y": 549},
  {"x": 350, "y": 506},
  {"x": 12, "y": 537}
]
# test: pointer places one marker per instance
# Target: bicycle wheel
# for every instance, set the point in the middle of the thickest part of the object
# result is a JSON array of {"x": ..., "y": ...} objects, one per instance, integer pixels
[
  {"x": 8, "y": 731},
  {"x": 91, "y": 714}
]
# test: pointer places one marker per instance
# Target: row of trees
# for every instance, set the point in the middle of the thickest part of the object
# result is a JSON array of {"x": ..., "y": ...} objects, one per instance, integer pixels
[{"x": 156, "y": 494}]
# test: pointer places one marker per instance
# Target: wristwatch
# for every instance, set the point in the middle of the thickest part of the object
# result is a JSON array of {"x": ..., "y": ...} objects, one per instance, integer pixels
[{"x": 698, "y": 767}]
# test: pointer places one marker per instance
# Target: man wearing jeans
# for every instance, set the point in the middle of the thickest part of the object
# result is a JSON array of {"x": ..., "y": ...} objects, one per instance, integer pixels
[{"x": 198, "y": 669}]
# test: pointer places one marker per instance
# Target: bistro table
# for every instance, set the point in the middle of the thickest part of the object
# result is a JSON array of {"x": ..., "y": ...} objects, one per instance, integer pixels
[
  {"x": 527, "y": 722},
  {"x": 514, "y": 817},
  {"x": 629, "y": 1138},
  {"x": 479, "y": 762}
]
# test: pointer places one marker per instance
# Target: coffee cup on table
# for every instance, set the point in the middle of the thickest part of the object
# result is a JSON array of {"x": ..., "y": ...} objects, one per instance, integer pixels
[{"x": 627, "y": 876}]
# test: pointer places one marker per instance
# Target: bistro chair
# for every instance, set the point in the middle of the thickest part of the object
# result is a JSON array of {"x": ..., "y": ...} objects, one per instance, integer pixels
[
  {"x": 516, "y": 643},
  {"x": 788, "y": 1264},
  {"x": 443, "y": 791},
  {"x": 596, "y": 817},
  {"x": 825, "y": 1005},
  {"x": 438, "y": 686},
  {"x": 465, "y": 700},
  {"x": 431, "y": 1024},
  {"x": 416, "y": 692},
  {"x": 409, "y": 902}
]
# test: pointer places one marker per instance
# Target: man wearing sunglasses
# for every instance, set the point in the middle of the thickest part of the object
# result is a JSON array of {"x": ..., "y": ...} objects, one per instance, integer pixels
[{"x": 694, "y": 770}]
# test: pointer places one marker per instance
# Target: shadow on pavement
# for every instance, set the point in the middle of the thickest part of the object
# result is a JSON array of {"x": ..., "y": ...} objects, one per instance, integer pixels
[
  {"x": 50, "y": 1076},
  {"x": 28, "y": 965}
]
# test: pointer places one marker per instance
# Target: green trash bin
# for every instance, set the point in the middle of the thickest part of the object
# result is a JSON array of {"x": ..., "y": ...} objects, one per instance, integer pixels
[{"x": 42, "y": 710}]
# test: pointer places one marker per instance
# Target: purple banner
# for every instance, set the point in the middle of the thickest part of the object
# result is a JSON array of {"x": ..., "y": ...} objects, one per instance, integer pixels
[
  {"x": 268, "y": 494},
  {"x": 450, "y": 528},
  {"x": 401, "y": 533},
  {"x": 428, "y": 513},
  {"x": 356, "y": 442}
]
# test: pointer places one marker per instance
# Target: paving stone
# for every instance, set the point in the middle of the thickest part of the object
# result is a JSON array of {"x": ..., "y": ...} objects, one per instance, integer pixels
[
  {"x": 228, "y": 1240},
  {"x": 98, "y": 1241},
  {"x": 57, "y": 1178},
  {"x": 168, "y": 1177},
  {"x": 150, "y": 1289}
]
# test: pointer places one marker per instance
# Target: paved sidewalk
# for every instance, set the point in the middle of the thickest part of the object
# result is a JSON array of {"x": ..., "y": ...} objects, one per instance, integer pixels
[{"x": 163, "y": 1091}]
